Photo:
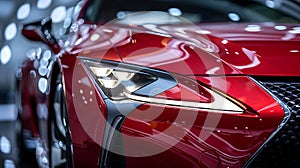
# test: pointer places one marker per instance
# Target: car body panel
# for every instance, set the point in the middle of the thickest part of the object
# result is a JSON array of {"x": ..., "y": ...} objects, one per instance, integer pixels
[
  {"x": 217, "y": 56},
  {"x": 277, "y": 46},
  {"x": 179, "y": 56},
  {"x": 87, "y": 112},
  {"x": 247, "y": 53},
  {"x": 211, "y": 139}
]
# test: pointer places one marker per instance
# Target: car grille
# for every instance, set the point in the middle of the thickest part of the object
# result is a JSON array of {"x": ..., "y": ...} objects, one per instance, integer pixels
[{"x": 283, "y": 150}]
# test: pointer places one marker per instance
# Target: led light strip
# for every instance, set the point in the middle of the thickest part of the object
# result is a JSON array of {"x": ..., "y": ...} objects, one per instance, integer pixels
[{"x": 226, "y": 105}]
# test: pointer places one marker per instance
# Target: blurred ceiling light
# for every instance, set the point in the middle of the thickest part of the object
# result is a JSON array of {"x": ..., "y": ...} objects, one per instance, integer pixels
[
  {"x": 5, "y": 54},
  {"x": 175, "y": 12},
  {"x": 5, "y": 145},
  {"x": 270, "y": 3},
  {"x": 280, "y": 27},
  {"x": 9, "y": 164},
  {"x": 47, "y": 55},
  {"x": 67, "y": 22},
  {"x": 121, "y": 15},
  {"x": 297, "y": 28},
  {"x": 77, "y": 42},
  {"x": 201, "y": 31},
  {"x": 23, "y": 11},
  {"x": 31, "y": 54},
  {"x": 252, "y": 28},
  {"x": 43, "y": 70},
  {"x": 38, "y": 52},
  {"x": 42, "y": 4},
  {"x": 107, "y": 30},
  {"x": 94, "y": 37},
  {"x": 294, "y": 31},
  {"x": 294, "y": 51},
  {"x": 43, "y": 85},
  {"x": 58, "y": 14},
  {"x": 10, "y": 31},
  {"x": 234, "y": 17}
]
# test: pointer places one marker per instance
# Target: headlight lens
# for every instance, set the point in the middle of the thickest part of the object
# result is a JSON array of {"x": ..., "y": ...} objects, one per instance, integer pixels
[
  {"x": 114, "y": 79},
  {"x": 120, "y": 81}
]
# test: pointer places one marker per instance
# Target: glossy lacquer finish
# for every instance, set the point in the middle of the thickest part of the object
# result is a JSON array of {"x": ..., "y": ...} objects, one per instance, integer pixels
[
  {"x": 139, "y": 46},
  {"x": 186, "y": 137},
  {"x": 209, "y": 139},
  {"x": 87, "y": 113},
  {"x": 276, "y": 47},
  {"x": 210, "y": 50},
  {"x": 201, "y": 138}
]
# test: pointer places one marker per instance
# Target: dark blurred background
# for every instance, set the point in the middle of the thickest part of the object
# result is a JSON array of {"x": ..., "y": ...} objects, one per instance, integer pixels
[{"x": 14, "y": 48}]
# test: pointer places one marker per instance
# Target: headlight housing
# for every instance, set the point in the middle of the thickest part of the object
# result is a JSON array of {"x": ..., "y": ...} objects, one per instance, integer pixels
[{"x": 120, "y": 81}]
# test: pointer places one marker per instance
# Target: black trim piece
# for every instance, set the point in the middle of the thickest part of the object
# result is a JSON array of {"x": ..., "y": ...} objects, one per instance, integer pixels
[
  {"x": 114, "y": 121},
  {"x": 112, "y": 139}
]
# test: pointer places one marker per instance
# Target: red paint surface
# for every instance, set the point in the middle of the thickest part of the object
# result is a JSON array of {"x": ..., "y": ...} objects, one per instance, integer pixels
[
  {"x": 229, "y": 139},
  {"x": 203, "y": 138}
]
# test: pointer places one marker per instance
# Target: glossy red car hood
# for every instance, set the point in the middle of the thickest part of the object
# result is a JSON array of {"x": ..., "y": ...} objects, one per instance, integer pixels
[
  {"x": 278, "y": 46},
  {"x": 210, "y": 49}
]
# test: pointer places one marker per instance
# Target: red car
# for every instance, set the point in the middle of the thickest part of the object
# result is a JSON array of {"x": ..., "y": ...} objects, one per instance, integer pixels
[{"x": 176, "y": 87}]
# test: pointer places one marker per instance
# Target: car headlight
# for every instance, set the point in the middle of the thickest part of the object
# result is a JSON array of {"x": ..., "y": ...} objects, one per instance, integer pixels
[{"x": 120, "y": 81}]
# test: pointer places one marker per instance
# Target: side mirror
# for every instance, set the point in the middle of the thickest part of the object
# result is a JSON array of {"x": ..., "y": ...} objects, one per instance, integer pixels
[{"x": 41, "y": 31}]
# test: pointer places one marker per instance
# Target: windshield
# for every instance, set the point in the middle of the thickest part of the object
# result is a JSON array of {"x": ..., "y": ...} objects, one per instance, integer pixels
[{"x": 196, "y": 11}]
